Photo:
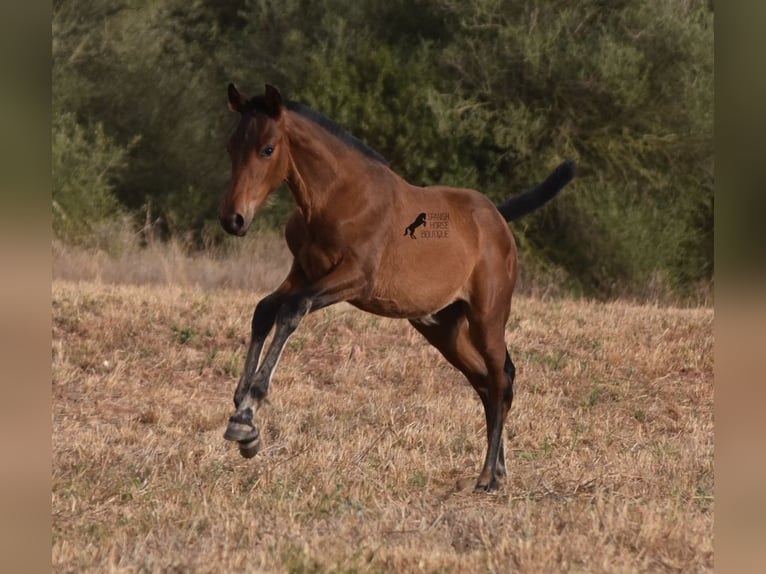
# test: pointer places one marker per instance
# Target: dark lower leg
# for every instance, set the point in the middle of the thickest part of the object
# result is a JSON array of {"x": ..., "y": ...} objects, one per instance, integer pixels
[
  {"x": 263, "y": 320},
  {"x": 241, "y": 427},
  {"x": 501, "y": 471},
  {"x": 510, "y": 372},
  {"x": 488, "y": 479},
  {"x": 288, "y": 319},
  {"x": 496, "y": 392}
]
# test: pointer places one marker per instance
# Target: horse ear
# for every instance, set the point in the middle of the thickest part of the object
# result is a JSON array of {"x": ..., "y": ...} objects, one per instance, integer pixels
[
  {"x": 236, "y": 100},
  {"x": 273, "y": 101}
]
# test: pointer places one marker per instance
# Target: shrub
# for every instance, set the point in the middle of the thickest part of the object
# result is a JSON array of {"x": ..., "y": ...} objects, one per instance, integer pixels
[{"x": 86, "y": 165}]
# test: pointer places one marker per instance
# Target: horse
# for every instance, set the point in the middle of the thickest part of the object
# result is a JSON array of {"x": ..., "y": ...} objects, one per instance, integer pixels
[{"x": 344, "y": 239}]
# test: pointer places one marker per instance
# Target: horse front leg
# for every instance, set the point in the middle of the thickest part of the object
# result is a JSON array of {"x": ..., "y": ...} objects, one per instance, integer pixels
[
  {"x": 343, "y": 283},
  {"x": 241, "y": 427},
  {"x": 263, "y": 320}
]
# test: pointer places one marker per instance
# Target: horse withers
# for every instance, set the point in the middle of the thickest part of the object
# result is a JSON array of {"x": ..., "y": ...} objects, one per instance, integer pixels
[{"x": 346, "y": 239}]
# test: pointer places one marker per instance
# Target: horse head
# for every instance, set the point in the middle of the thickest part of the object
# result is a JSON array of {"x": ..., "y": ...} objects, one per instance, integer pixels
[{"x": 259, "y": 153}]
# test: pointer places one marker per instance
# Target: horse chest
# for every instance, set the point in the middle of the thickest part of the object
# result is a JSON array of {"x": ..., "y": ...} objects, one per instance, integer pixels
[{"x": 317, "y": 262}]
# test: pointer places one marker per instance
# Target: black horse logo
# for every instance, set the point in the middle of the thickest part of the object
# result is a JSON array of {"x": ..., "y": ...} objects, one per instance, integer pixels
[{"x": 420, "y": 220}]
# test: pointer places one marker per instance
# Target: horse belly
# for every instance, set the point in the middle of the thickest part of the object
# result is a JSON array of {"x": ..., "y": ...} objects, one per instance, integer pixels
[
  {"x": 396, "y": 309},
  {"x": 399, "y": 308},
  {"x": 417, "y": 293}
]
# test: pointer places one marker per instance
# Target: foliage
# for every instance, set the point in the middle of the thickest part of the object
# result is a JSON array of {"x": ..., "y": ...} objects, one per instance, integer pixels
[
  {"x": 628, "y": 92},
  {"x": 489, "y": 94},
  {"x": 85, "y": 164}
]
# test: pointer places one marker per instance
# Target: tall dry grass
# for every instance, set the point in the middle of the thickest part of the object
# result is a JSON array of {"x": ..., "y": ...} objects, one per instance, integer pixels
[
  {"x": 370, "y": 438},
  {"x": 257, "y": 262}
]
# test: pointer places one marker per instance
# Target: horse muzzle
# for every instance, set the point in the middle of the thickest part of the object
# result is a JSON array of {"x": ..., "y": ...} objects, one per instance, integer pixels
[{"x": 235, "y": 224}]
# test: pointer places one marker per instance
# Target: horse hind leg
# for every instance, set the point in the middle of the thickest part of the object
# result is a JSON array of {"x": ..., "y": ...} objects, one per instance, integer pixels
[
  {"x": 487, "y": 334},
  {"x": 450, "y": 334}
]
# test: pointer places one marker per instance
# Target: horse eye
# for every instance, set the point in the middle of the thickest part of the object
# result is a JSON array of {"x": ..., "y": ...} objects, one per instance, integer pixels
[{"x": 267, "y": 151}]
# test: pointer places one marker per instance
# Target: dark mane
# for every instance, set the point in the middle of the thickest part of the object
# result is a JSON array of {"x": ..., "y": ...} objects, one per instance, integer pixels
[{"x": 257, "y": 104}]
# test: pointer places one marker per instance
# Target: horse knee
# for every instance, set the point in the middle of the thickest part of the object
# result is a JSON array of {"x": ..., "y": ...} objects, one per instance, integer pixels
[{"x": 293, "y": 311}]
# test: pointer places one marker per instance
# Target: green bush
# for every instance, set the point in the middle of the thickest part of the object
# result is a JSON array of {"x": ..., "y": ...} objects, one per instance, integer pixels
[
  {"x": 625, "y": 89},
  {"x": 86, "y": 164}
]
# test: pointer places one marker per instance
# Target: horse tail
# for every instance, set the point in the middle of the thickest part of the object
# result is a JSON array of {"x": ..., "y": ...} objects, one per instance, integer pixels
[{"x": 527, "y": 201}]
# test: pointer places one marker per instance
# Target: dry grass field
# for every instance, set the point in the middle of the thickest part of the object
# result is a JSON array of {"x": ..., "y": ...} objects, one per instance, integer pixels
[{"x": 372, "y": 442}]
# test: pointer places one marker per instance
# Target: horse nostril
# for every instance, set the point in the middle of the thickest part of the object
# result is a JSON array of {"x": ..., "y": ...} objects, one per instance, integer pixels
[{"x": 233, "y": 223}]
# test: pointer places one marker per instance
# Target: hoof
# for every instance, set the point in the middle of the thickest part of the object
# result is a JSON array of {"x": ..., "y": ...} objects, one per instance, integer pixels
[
  {"x": 490, "y": 488},
  {"x": 241, "y": 428},
  {"x": 248, "y": 449},
  {"x": 240, "y": 432}
]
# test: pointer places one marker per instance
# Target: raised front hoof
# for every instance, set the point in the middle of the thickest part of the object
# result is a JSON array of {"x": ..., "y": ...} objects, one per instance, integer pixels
[
  {"x": 241, "y": 427},
  {"x": 241, "y": 431},
  {"x": 248, "y": 449}
]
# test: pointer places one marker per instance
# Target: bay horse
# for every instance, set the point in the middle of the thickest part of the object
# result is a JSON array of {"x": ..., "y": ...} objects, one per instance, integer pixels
[{"x": 345, "y": 236}]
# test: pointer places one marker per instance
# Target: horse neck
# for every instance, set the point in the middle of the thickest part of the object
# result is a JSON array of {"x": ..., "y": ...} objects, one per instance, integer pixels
[{"x": 314, "y": 165}]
